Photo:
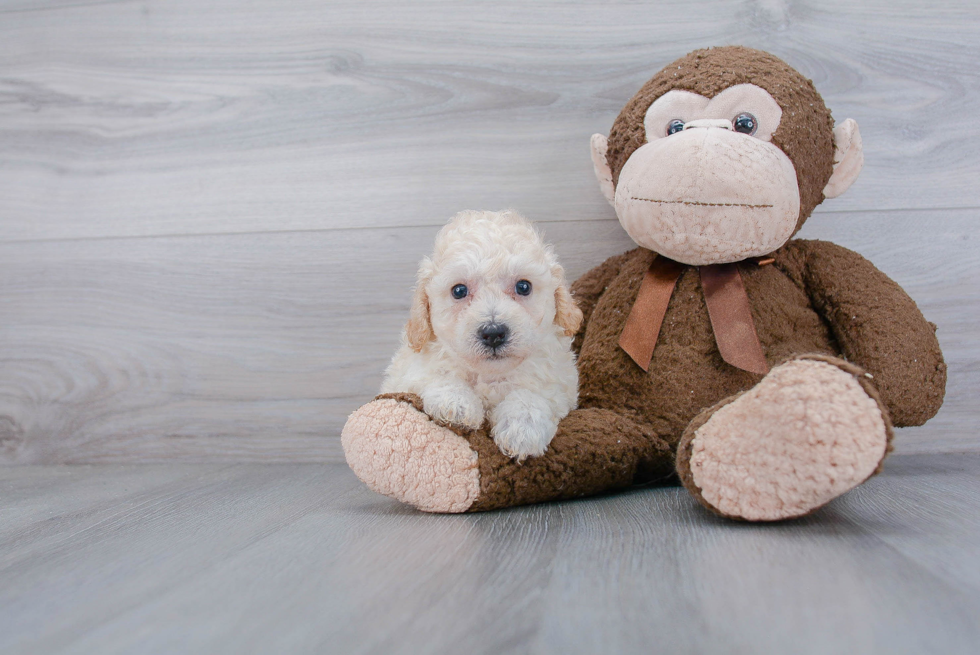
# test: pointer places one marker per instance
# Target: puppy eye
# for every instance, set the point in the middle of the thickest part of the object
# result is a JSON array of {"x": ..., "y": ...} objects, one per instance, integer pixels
[
  {"x": 675, "y": 126},
  {"x": 745, "y": 123},
  {"x": 523, "y": 288},
  {"x": 460, "y": 291}
]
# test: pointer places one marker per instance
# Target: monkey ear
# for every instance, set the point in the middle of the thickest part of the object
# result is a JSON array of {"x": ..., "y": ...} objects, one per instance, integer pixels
[
  {"x": 601, "y": 166},
  {"x": 848, "y": 158},
  {"x": 567, "y": 314},
  {"x": 418, "y": 330}
]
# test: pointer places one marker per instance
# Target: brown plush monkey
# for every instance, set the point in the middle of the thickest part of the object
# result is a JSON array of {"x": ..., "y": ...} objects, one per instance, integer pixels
[{"x": 762, "y": 372}]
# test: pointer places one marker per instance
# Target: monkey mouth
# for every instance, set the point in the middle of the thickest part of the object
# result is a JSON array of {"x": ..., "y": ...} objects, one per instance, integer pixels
[{"x": 698, "y": 203}]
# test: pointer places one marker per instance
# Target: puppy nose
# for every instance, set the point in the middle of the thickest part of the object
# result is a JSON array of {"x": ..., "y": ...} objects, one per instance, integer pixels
[{"x": 493, "y": 335}]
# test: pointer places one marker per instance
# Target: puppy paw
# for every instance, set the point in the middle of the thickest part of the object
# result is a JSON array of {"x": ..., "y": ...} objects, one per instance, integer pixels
[
  {"x": 523, "y": 425},
  {"x": 454, "y": 404}
]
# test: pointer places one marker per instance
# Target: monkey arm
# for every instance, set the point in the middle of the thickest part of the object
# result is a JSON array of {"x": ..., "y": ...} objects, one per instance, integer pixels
[
  {"x": 877, "y": 326},
  {"x": 587, "y": 289}
]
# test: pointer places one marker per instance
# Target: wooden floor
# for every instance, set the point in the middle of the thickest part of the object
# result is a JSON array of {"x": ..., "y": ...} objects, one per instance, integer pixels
[{"x": 295, "y": 558}]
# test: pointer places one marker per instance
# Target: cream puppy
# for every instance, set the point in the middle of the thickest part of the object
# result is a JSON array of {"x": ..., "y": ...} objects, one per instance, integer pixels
[{"x": 490, "y": 333}]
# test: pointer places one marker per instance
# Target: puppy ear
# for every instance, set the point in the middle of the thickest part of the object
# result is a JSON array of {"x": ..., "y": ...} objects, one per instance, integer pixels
[
  {"x": 418, "y": 330},
  {"x": 567, "y": 314}
]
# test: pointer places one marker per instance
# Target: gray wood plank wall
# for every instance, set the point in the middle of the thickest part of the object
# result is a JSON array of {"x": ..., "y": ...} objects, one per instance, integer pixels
[{"x": 210, "y": 213}]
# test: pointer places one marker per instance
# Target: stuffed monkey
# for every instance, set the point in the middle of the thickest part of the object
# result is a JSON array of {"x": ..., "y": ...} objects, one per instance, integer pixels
[{"x": 763, "y": 373}]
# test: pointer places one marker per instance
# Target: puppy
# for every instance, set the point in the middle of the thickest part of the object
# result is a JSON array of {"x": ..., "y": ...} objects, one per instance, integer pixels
[{"x": 490, "y": 333}]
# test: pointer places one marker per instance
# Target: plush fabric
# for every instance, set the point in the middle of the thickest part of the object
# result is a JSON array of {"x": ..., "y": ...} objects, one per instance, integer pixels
[
  {"x": 848, "y": 158},
  {"x": 804, "y": 435},
  {"x": 817, "y": 297},
  {"x": 709, "y": 72},
  {"x": 684, "y": 104},
  {"x": 848, "y": 351},
  {"x": 747, "y": 189},
  {"x": 399, "y": 451}
]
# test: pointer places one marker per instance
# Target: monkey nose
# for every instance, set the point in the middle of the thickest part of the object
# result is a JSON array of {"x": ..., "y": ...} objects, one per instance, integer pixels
[
  {"x": 710, "y": 122},
  {"x": 494, "y": 335}
]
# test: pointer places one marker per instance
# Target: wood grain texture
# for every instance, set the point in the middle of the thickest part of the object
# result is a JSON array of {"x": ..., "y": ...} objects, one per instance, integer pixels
[
  {"x": 210, "y": 213},
  {"x": 257, "y": 347},
  {"x": 140, "y": 118},
  {"x": 303, "y": 558}
]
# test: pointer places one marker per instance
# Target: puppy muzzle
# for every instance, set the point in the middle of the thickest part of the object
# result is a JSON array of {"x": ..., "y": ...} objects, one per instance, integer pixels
[{"x": 493, "y": 337}]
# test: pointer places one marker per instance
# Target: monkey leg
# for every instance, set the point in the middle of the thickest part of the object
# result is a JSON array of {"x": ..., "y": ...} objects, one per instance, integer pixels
[
  {"x": 400, "y": 452},
  {"x": 811, "y": 430}
]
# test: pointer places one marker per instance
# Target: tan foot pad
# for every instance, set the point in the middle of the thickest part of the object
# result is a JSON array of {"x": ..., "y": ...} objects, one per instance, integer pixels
[
  {"x": 398, "y": 451},
  {"x": 804, "y": 435}
]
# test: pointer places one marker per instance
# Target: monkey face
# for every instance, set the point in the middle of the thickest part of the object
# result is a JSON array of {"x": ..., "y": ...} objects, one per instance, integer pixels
[
  {"x": 722, "y": 156},
  {"x": 709, "y": 187}
]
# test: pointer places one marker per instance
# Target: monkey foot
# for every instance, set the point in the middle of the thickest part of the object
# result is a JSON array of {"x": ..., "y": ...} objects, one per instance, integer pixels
[
  {"x": 811, "y": 430},
  {"x": 398, "y": 451}
]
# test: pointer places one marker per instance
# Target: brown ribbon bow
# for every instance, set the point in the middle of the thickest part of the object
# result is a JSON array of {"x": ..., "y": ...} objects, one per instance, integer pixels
[{"x": 728, "y": 309}]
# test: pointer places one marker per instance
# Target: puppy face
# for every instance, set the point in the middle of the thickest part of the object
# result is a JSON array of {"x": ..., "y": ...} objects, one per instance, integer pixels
[{"x": 491, "y": 292}]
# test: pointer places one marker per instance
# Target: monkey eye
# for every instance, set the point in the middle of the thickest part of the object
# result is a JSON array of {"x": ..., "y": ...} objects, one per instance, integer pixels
[
  {"x": 675, "y": 126},
  {"x": 523, "y": 288},
  {"x": 460, "y": 291},
  {"x": 745, "y": 123}
]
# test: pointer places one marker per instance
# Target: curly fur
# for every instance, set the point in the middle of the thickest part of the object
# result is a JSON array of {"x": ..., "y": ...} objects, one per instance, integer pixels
[{"x": 526, "y": 386}]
